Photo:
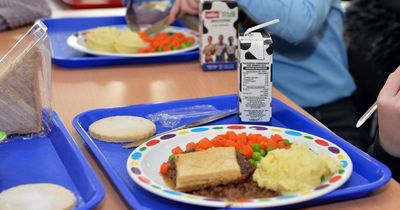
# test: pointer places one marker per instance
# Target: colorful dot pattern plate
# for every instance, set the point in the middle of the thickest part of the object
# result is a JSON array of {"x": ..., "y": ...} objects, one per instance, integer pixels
[
  {"x": 77, "y": 42},
  {"x": 144, "y": 162}
]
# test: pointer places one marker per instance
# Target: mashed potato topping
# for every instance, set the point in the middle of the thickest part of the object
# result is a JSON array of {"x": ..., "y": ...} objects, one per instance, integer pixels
[{"x": 294, "y": 170}]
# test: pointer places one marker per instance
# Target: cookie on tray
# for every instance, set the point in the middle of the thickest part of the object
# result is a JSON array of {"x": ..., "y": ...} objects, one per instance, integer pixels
[
  {"x": 122, "y": 129},
  {"x": 44, "y": 196}
]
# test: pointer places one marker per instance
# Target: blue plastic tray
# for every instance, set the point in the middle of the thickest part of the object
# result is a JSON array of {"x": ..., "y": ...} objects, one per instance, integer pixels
[
  {"x": 54, "y": 158},
  {"x": 368, "y": 174},
  {"x": 59, "y": 29}
]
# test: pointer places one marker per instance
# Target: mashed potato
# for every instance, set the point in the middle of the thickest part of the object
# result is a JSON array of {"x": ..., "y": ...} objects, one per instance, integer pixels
[
  {"x": 294, "y": 170},
  {"x": 109, "y": 39},
  {"x": 102, "y": 39},
  {"x": 129, "y": 42}
]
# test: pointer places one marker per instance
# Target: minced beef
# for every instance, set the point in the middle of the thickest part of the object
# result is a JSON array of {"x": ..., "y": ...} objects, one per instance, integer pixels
[{"x": 243, "y": 190}]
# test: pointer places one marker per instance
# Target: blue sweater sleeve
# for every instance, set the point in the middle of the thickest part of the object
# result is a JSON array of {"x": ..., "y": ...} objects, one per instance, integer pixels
[{"x": 299, "y": 19}]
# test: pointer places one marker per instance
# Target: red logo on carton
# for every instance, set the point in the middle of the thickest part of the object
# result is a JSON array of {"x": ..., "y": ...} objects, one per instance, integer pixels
[{"x": 212, "y": 14}]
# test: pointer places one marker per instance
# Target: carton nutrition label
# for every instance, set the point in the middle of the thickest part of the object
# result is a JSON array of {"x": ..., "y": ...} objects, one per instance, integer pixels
[{"x": 255, "y": 94}]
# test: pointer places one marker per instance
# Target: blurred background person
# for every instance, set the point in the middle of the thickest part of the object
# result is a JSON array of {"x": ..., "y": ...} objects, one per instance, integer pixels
[
  {"x": 372, "y": 31},
  {"x": 18, "y": 13}
]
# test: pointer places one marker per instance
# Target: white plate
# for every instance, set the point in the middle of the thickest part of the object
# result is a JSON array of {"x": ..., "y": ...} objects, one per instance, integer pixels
[
  {"x": 144, "y": 163},
  {"x": 77, "y": 41}
]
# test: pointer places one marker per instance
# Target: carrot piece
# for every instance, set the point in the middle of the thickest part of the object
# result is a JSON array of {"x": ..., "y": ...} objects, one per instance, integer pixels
[
  {"x": 247, "y": 151},
  {"x": 239, "y": 147},
  {"x": 229, "y": 143},
  {"x": 166, "y": 48},
  {"x": 272, "y": 143},
  {"x": 205, "y": 143},
  {"x": 242, "y": 138},
  {"x": 251, "y": 138},
  {"x": 264, "y": 145},
  {"x": 277, "y": 137},
  {"x": 177, "y": 150},
  {"x": 165, "y": 166},
  {"x": 231, "y": 135},
  {"x": 190, "y": 39},
  {"x": 217, "y": 142},
  {"x": 190, "y": 145},
  {"x": 198, "y": 148},
  {"x": 281, "y": 144},
  {"x": 259, "y": 139}
]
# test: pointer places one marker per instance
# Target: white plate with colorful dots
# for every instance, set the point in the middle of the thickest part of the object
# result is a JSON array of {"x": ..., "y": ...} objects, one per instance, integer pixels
[{"x": 144, "y": 163}]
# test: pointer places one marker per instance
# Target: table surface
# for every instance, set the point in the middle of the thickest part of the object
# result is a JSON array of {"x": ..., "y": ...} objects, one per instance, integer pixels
[{"x": 75, "y": 91}]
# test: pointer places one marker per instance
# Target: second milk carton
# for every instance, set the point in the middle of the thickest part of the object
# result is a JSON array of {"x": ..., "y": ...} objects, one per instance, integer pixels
[
  {"x": 255, "y": 77},
  {"x": 218, "y": 34}
]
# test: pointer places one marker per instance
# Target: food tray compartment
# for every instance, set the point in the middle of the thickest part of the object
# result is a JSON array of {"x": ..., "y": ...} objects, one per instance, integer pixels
[
  {"x": 59, "y": 29},
  {"x": 54, "y": 158},
  {"x": 368, "y": 173}
]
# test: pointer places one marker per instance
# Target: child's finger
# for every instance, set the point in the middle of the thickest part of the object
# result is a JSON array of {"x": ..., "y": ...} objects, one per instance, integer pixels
[
  {"x": 392, "y": 85},
  {"x": 173, "y": 13}
]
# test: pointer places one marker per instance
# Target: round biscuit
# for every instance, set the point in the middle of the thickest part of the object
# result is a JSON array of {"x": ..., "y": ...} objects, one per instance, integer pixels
[
  {"x": 41, "y": 196},
  {"x": 122, "y": 129}
]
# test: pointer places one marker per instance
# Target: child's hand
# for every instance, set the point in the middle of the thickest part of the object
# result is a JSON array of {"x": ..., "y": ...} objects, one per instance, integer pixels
[
  {"x": 389, "y": 114},
  {"x": 181, "y": 7}
]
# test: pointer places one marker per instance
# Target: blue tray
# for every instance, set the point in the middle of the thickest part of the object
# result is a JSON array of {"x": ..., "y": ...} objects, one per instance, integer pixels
[
  {"x": 59, "y": 29},
  {"x": 368, "y": 174},
  {"x": 54, "y": 158}
]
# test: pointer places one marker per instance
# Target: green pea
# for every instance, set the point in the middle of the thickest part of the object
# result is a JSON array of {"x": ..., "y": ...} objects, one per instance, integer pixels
[
  {"x": 171, "y": 157},
  {"x": 263, "y": 153},
  {"x": 253, "y": 162},
  {"x": 269, "y": 149},
  {"x": 159, "y": 49},
  {"x": 256, "y": 156},
  {"x": 186, "y": 44},
  {"x": 286, "y": 142},
  {"x": 256, "y": 147}
]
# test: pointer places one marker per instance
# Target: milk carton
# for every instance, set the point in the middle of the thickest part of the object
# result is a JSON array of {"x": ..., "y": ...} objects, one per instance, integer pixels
[
  {"x": 255, "y": 77},
  {"x": 218, "y": 34}
]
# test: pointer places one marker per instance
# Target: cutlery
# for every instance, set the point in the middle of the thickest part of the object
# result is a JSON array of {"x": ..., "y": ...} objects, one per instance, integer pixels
[
  {"x": 190, "y": 125},
  {"x": 157, "y": 27},
  {"x": 366, "y": 115},
  {"x": 130, "y": 17}
]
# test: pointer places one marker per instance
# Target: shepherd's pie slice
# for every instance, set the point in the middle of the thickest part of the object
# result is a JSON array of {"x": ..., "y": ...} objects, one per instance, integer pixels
[{"x": 211, "y": 167}]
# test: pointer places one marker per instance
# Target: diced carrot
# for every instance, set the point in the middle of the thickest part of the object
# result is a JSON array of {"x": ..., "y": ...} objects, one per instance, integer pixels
[
  {"x": 251, "y": 138},
  {"x": 264, "y": 145},
  {"x": 272, "y": 144},
  {"x": 229, "y": 143},
  {"x": 217, "y": 142},
  {"x": 165, "y": 166},
  {"x": 247, "y": 151},
  {"x": 198, "y": 148},
  {"x": 204, "y": 143},
  {"x": 190, "y": 145},
  {"x": 276, "y": 137},
  {"x": 242, "y": 138},
  {"x": 177, "y": 150},
  {"x": 239, "y": 147},
  {"x": 231, "y": 135},
  {"x": 281, "y": 144},
  {"x": 190, "y": 39}
]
